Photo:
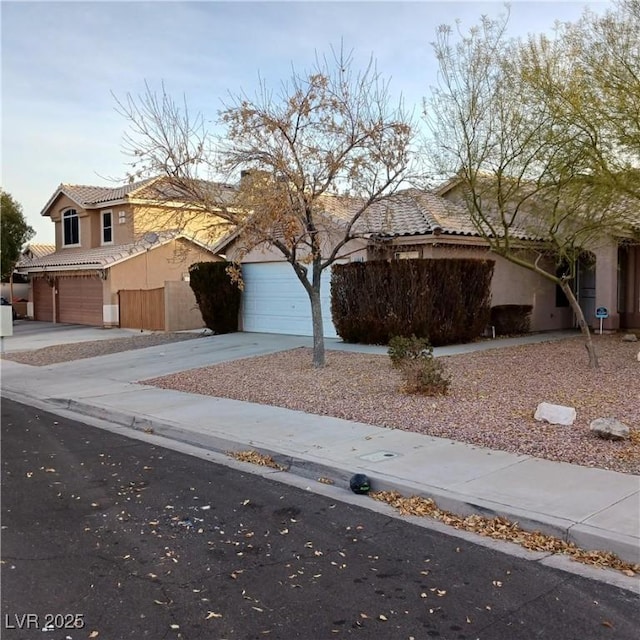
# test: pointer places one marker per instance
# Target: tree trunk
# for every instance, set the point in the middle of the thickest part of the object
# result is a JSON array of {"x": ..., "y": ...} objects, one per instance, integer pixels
[
  {"x": 582, "y": 323},
  {"x": 318, "y": 328}
]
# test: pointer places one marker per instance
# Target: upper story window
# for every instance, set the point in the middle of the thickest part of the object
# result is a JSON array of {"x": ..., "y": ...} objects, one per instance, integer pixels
[
  {"x": 107, "y": 227},
  {"x": 70, "y": 228}
]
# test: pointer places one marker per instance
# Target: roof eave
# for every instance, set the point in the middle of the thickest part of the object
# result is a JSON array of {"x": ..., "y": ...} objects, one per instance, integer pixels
[
  {"x": 59, "y": 191},
  {"x": 105, "y": 203},
  {"x": 87, "y": 266}
]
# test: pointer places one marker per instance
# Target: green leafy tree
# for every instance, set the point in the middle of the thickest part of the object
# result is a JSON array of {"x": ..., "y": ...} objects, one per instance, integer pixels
[
  {"x": 601, "y": 95},
  {"x": 14, "y": 232},
  {"x": 504, "y": 120}
]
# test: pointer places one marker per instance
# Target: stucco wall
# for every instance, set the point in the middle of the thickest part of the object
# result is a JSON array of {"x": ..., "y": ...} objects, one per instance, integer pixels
[
  {"x": 181, "y": 310},
  {"x": 152, "y": 269},
  {"x": 204, "y": 227},
  {"x": 90, "y": 222},
  {"x": 20, "y": 291},
  {"x": 138, "y": 219},
  {"x": 61, "y": 204},
  {"x": 122, "y": 231},
  {"x": 606, "y": 252},
  {"x": 354, "y": 250}
]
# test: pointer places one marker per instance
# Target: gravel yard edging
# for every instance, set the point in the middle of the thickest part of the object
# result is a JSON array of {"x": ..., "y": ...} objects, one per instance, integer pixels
[{"x": 58, "y": 353}]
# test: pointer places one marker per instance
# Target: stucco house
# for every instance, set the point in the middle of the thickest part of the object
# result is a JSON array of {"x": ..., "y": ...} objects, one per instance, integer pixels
[
  {"x": 421, "y": 224},
  {"x": 608, "y": 277},
  {"x": 110, "y": 239}
]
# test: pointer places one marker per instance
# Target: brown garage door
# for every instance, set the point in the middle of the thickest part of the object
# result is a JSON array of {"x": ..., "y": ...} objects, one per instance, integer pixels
[
  {"x": 79, "y": 300},
  {"x": 42, "y": 301}
]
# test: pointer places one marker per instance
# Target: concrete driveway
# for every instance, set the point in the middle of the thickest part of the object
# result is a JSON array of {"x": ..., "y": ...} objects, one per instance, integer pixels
[
  {"x": 32, "y": 334},
  {"x": 138, "y": 364}
]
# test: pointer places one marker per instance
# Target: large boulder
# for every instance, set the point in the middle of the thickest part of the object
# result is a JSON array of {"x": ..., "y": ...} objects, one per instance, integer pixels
[
  {"x": 609, "y": 429},
  {"x": 555, "y": 414}
]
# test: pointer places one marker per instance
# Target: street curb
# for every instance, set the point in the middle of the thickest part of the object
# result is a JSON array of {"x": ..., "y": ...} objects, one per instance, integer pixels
[{"x": 591, "y": 538}]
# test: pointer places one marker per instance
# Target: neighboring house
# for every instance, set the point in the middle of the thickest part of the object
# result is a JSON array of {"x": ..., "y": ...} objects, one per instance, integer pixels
[
  {"x": 16, "y": 289},
  {"x": 110, "y": 239},
  {"x": 416, "y": 224},
  {"x": 35, "y": 250}
]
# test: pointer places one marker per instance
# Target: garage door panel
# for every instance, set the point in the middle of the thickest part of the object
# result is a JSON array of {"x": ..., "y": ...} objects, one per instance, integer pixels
[
  {"x": 274, "y": 301},
  {"x": 42, "y": 300},
  {"x": 80, "y": 300}
]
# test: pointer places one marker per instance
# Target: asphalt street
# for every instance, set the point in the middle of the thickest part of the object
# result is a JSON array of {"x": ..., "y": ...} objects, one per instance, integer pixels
[{"x": 108, "y": 537}]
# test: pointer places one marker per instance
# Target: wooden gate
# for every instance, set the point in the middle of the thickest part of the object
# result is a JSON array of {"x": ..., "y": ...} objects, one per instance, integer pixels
[{"x": 142, "y": 309}]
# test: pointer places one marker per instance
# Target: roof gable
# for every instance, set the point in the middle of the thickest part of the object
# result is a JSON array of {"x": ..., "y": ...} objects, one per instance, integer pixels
[
  {"x": 157, "y": 189},
  {"x": 37, "y": 250},
  {"x": 87, "y": 196}
]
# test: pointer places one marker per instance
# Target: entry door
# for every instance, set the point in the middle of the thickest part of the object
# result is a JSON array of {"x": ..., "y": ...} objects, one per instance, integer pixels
[{"x": 587, "y": 291}]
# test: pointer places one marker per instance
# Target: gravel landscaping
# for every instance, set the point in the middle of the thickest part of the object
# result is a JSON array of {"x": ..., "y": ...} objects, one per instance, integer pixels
[
  {"x": 79, "y": 350},
  {"x": 491, "y": 402}
]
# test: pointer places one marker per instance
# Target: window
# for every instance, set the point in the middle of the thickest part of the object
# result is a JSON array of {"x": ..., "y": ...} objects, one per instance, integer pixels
[
  {"x": 70, "y": 228},
  {"x": 107, "y": 227}
]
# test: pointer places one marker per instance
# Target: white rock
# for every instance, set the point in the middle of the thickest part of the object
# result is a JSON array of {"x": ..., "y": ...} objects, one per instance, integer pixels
[
  {"x": 609, "y": 428},
  {"x": 630, "y": 337},
  {"x": 638, "y": 356},
  {"x": 555, "y": 414}
]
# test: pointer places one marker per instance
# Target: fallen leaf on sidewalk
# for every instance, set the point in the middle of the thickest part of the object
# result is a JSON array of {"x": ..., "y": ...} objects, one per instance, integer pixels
[
  {"x": 503, "y": 529},
  {"x": 254, "y": 457}
]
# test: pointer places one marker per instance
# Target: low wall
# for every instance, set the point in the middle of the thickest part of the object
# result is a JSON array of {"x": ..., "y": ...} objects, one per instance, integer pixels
[
  {"x": 20, "y": 291},
  {"x": 181, "y": 311}
]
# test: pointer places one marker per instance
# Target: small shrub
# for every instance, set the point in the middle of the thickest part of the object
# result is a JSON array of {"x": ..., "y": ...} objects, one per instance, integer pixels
[
  {"x": 511, "y": 319},
  {"x": 402, "y": 349},
  {"x": 421, "y": 372},
  {"x": 426, "y": 377}
]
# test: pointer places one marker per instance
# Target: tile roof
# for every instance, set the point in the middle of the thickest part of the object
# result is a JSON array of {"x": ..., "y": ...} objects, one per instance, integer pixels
[
  {"x": 36, "y": 250},
  {"x": 202, "y": 191},
  {"x": 406, "y": 213},
  {"x": 98, "y": 257},
  {"x": 88, "y": 196}
]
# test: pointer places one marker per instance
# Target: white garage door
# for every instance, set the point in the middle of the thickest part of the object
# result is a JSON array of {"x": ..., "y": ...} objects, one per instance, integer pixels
[{"x": 274, "y": 301}]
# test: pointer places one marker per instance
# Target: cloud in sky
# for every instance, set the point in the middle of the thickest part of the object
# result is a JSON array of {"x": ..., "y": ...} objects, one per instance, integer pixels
[{"x": 61, "y": 62}]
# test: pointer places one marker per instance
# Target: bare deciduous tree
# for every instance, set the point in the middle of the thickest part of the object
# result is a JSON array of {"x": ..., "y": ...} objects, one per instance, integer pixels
[{"x": 328, "y": 133}]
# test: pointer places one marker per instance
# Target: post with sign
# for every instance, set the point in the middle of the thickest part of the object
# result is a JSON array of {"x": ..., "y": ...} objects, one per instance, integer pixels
[{"x": 601, "y": 314}]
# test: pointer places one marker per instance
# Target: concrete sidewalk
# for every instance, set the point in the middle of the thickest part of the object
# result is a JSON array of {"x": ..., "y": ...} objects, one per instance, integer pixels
[{"x": 594, "y": 508}]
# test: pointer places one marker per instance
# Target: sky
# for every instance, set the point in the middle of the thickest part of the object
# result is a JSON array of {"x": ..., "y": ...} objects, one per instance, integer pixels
[{"x": 63, "y": 62}]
